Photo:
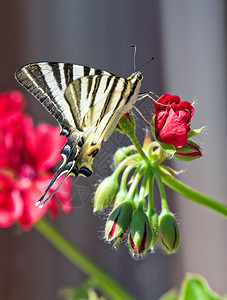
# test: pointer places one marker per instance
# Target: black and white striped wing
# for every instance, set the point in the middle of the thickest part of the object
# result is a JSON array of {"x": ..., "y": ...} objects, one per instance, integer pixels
[
  {"x": 47, "y": 82},
  {"x": 100, "y": 101}
]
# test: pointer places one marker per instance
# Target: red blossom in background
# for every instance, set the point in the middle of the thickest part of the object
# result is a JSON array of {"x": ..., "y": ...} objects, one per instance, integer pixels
[
  {"x": 172, "y": 119},
  {"x": 27, "y": 155}
]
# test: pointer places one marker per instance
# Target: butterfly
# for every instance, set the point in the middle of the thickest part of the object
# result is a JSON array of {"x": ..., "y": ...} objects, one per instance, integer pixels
[{"x": 87, "y": 103}]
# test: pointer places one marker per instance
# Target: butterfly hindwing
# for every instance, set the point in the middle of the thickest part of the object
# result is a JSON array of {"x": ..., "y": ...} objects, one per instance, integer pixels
[{"x": 99, "y": 100}]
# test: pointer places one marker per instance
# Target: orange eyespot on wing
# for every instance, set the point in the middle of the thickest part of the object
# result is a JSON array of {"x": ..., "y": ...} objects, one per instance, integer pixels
[{"x": 93, "y": 151}]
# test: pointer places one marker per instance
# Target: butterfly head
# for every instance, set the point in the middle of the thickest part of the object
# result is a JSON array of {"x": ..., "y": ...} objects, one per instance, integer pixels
[
  {"x": 135, "y": 81},
  {"x": 135, "y": 77}
]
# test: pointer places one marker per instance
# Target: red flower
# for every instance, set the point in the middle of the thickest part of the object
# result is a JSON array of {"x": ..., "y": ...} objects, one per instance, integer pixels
[
  {"x": 27, "y": 155},
  {"x": 11, "y": 101},
  {"x": 172, "y": 120}
]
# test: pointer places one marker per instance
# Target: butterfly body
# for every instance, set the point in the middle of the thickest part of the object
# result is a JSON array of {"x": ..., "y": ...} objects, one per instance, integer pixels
[{"x": 87, "y": 103}]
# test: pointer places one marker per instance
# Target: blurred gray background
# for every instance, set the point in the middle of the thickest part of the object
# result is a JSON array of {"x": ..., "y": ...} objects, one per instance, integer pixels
[{"x": 188, "y": 41}]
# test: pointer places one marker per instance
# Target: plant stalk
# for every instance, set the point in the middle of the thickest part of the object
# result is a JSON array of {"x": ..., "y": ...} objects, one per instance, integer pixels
[
  {"x": 194, "y": 195},
  {"x": 104, "y": 282}
]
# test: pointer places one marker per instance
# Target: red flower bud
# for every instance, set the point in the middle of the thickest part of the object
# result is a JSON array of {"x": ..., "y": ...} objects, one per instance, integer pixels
[
  {"x": 140, "y": 235},
  {"x": 188, "y": 152},
  {"x": 172, "y": 120},
  {"x": 119, "y": 220}
]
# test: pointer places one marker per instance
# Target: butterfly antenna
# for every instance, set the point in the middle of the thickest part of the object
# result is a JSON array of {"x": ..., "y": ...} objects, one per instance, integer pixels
[
  {"x": 134, "y": 56},
  {"x": 147, "y": 62}
]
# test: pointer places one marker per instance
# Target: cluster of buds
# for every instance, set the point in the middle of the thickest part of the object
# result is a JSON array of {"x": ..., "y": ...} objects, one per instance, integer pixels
[
  {"x": 129, "y": 189},
  {"x": 133, "y": 216}
]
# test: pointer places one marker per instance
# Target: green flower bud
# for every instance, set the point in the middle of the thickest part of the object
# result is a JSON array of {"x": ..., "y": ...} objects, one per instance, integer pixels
[
  {"x": 140, "y": 235},
  {"x": 105, "y": 193},
  {"x": 119, "y": 221},
  {"x": 126, "y": 124},
  {"x": 169, "y": 236},
  {"x": 190, "y": 151},
  {"x": 121, "y": 154}
]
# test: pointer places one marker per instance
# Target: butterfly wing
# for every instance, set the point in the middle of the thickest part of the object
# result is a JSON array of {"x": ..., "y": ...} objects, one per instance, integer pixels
[
  {"x": 47, "y": 82},
  {"x": 100, "y": 100}
]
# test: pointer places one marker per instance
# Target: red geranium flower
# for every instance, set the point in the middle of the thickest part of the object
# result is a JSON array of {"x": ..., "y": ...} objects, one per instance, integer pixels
[
  {"x": 10, "y": 101},
  {"x": 172, "y": 120},
  {"x": 27, "y": 155}
]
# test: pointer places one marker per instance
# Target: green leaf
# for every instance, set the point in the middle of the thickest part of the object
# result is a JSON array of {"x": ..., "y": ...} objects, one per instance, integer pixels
[
  {"x": 84, "y": 291},
  {"x": 73, "y": 293},
  {"x": 170, "y": 295},
  {"x": 197, "y": 288},
  {"x": 194, "y": 132},
  {"x": 78, "y": 294}
]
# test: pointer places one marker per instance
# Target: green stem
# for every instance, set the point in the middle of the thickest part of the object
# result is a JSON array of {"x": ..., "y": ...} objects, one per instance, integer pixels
[
  {"x": 139, "y": 148},
  {"x": 161, "y": 189},
  {"x": 139, "y": 172},
  {"x": 121, "y": 166},
  {"x": 104, "y": 282},
  {"x": 194, "y": 195},
  {"x": 150, "y": 196},
  {"x": 163, "y": 155},
  {"x": 151, "y": 147},
  {"x": 126, "y": 173},
  {"x": 143, "y": 188}
]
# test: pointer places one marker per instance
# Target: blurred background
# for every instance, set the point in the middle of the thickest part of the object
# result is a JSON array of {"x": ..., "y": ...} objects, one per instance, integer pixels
[{"x": 188, "y": 41}]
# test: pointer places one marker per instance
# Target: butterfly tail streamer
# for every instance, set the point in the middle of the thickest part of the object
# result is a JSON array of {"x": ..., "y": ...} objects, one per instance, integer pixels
[
  {"x": 42, "y": 202},
  {"x": 68, "y": 153},
  {"x": 66, "y": 168}
]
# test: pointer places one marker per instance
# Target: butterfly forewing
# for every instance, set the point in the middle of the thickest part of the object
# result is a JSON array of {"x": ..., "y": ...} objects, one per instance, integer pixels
[{"x": 47, "y": 81}]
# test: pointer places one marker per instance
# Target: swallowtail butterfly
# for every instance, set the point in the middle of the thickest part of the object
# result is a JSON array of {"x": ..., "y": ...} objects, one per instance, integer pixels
[{"x": 86, "y": 102}]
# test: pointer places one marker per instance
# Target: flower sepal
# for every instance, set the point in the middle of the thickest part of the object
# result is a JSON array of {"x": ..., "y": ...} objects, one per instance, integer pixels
[
  {"x": 119, "y": 221},
  {"x": 194, "y": 132},
  {"x": 167, "y": 171},
  {"x": 169, "y": 236}
]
